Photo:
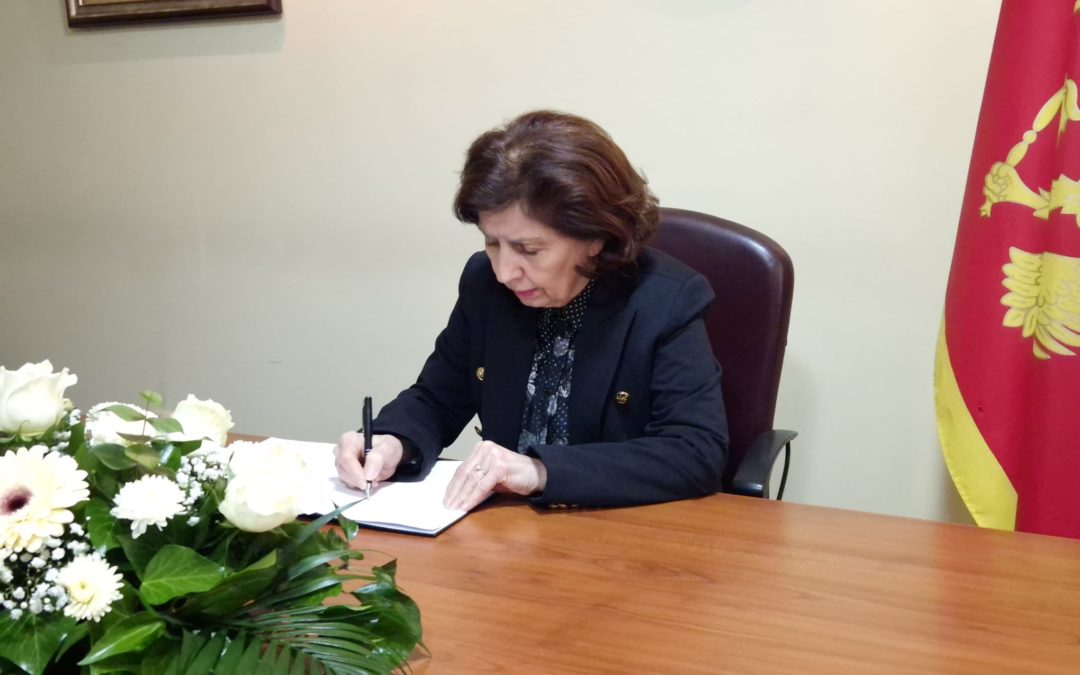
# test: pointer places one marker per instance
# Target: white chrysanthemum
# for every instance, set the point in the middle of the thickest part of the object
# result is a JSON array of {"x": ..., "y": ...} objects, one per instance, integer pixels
[
  {"x": 104, "y": 426},
  {"x": 150, "y": 500},
  {"x": 37, "y": 490},
  {"x": 202, "y": 419},
  {"x": 92, "y": 586}
]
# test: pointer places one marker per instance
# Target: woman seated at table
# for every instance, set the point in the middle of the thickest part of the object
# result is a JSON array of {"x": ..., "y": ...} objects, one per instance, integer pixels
[{"x": 583, "y": 352}]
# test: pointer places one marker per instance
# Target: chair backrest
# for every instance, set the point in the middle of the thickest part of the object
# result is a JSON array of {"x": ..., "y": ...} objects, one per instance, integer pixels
[{"x": 753, "y": 279}]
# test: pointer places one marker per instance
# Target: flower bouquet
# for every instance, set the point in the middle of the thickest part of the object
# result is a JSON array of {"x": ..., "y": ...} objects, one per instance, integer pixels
[{"x": 132, "y": 541}]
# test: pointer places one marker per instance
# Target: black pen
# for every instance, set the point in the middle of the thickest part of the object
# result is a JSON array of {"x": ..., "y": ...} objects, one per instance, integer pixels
[{"x": 367, "y": 439}]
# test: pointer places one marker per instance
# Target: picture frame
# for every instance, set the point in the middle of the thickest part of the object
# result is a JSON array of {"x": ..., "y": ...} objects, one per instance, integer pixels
[{"x": 103, "y": 12}]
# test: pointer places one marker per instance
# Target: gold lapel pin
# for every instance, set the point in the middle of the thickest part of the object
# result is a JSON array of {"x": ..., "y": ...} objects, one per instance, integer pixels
[
  {"x": 480, "y": 373},
  {"x": 622, "y": 398}
]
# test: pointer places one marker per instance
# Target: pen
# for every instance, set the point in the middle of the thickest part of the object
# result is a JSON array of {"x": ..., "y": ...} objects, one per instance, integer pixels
[{"x": 367, "y": 439}]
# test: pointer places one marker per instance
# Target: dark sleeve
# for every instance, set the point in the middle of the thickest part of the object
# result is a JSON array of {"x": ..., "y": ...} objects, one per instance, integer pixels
[
  {"x": 683, "y": 448},
  {"x": 431, "y": 413}
]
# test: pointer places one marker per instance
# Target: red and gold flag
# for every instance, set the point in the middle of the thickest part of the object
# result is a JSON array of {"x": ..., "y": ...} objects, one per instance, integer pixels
[{"x": 1007, "y": 376}]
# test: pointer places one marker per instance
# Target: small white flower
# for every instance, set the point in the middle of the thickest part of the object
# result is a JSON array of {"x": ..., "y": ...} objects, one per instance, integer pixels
[
  {"x": 19, "y": 594},
  {"x": 92, "y": 586},
  {"x": 150, "y": 500},
  {"x": 16, "y": 614},
  {"x": 37, "y": 489},
  {"x": 202, "y": 419}
]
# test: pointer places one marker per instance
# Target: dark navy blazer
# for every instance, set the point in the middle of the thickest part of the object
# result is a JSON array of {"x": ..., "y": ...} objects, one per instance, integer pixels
[{"x": 646, "y": 416}]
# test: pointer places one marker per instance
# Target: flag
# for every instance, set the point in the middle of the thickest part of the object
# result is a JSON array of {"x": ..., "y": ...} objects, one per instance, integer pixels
[{"x": 1007, "y": 372}]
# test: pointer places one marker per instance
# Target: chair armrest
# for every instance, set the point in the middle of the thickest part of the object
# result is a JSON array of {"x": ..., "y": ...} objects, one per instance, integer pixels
[{"x": 752, "y": 476}]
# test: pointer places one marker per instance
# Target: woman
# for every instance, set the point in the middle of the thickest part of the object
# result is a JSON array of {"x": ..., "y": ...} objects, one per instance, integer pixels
[{"x": 582, "y": 351}]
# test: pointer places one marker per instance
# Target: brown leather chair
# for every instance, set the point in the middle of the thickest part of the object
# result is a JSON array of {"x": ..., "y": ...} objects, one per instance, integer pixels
[{"x": 753, "y": 280}]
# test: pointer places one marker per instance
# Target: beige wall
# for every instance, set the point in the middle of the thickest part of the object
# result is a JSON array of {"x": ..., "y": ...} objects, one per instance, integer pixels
[{"x": 257, "y": 210}]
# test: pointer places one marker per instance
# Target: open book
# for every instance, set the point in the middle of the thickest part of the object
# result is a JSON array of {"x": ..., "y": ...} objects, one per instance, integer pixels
[{"x": 404, "y": 507}]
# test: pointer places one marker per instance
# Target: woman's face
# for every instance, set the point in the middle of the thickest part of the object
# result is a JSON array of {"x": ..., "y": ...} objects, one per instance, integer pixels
[{"x": 534, "y": 261}]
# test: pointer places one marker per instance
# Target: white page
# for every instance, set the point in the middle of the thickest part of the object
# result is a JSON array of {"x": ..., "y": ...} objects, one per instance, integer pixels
[{"x": 408, "y": 507}]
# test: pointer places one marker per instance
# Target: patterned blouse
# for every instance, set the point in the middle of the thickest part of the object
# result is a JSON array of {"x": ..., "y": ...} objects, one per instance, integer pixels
[{"x": 547, "y": 394}]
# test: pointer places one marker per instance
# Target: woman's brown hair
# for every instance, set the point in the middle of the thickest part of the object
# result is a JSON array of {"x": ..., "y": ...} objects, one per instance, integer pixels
[{"x": 566, "y": 172}]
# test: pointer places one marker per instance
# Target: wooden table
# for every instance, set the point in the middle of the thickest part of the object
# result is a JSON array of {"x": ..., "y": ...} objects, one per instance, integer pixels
[{"x": 732, "y": 584}]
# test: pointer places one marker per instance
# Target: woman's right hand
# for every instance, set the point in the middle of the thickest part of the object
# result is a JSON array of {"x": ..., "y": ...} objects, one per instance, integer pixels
[{"x": 356, "y": 469}]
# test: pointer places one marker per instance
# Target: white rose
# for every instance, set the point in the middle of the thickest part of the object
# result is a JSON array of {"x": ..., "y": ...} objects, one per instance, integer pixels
[
  {"x": 267, "y": 486},
  {"x": 105, "y": 426},
  {"x": 32, "y": 398},
  {"x": 202, "y": 419}
]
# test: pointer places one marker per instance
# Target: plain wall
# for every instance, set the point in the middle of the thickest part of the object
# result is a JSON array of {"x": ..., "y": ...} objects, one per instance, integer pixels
[{"x": 257, "y": 210}]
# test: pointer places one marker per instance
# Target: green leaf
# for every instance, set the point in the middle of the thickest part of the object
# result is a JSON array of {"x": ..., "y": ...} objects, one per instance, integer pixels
[
  {"x": 231, "y": 658},
  {"x": 126, "y": 413},
  {"x": 144, "y": 455},
  {"x": 299, "y": 666},
  {"x": 112, "y": 456},
  {"x": 133, "y": 634},
  {"x": 165, "y": 425},
  {"x": 31, "y": 642},
  {"x": 168, "y": 455},
  {"x": 207, "y": 657},
  {"x": 284, "y": 660},
  {"x": 178, "y": 570},
  {"x": 86, "y": 459},
  {"x": 121, "y": 663},
  {"x": 335, "y": 646},
  {"x": 73, "y": 638},
  {"x": 78, "y": 436},
  {"x": 248, "y": 661},
  {"x": 314, "y": 526},
  {"x": 139, "y": 439},
  {"x": 190, "y": 645},
  {"x": 300, "y": 591},
  {"x": 141, "y": 551},
  {"x": 235, "y": 590},
  {"x": 173, "y": 451},
  {"x": 101, "y": 525},
  {"x": 348, "y": 527},
  {"x": 127, "y": 605},
  {"x": 160, "y": 657},
  {"x": 152, "y": 399},
  {"x": 317, "y": 560}
]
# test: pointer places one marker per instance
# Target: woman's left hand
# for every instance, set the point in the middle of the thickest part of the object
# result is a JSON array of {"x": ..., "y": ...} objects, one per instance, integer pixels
[{"x": 492, "y": 468}]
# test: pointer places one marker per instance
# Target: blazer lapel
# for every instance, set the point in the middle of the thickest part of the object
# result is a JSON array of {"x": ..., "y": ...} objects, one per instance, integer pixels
[
  {"x": 509, "y": 346},
  {"x": 598, "y": 348}
]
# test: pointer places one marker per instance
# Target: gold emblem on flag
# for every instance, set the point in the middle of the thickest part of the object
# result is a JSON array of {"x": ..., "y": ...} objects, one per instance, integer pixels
[
  {"x": 1043, "y": 300},
  {"x": 1044, "y": 288},
  {"x": 1003, "y": 182}
]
